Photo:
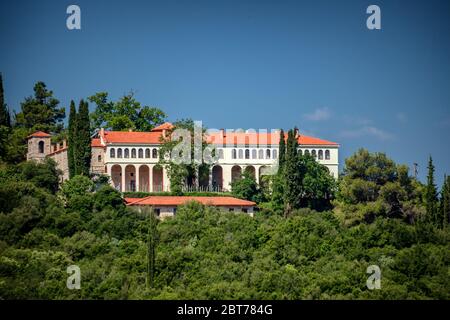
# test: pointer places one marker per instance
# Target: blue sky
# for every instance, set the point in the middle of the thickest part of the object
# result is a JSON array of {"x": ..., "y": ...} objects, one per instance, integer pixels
[{"x": 251, "y": 64}]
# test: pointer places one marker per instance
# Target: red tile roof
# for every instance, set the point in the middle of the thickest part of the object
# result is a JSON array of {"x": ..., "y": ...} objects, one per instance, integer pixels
[
  {"x": 132, "y": 137},
  {"x": 251, "y": 138},
  {"x": 226, "y": 138},
  {"x": 96, "y": 142},
  {"x": 39, "y": 134},
  {"x": 306, "y": 140},
  {"x": 164, "y": 126},
  {"x": 179, "y": 200}
]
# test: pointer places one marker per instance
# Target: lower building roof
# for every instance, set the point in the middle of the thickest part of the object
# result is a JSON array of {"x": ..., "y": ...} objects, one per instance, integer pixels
[{"x": 179, "y": 200}]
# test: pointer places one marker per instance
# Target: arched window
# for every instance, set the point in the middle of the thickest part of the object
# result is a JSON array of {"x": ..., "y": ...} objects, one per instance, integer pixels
[
  {"x": 220, "y": 153},
  {"x": 240, "y": 154},
  {"x": 147, "y": 153},
  {"x": 133, "y": 153},
  {"x": 154, "y": 153},
  {"x": 274, "y": 153},
  {"x": 247, "y": 154},
  {"x": 313, "y": 153},
  {"x": 140, "y": 153},
  {"x": 300, "y": 152},
  {"x": 261, "y": 154},
  {"x": 119, "y": 153},
  {"x": 268, "y": 154},
  {"x": 112, "y": 153},
  {"x": 41, "y": 146},
  {"x": 306, "y": 152},
  {"x": 320, "y": 154},
  {"x": 327, "y": 154},
  {"x": 126, "y": 153},
  {"x": 99, "y": 158},
  {"x": 233, "y": 154},
  {"x": 253, "y": 153}
]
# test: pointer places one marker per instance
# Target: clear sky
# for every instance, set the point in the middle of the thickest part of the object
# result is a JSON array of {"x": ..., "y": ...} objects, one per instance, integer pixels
[{"x": 251, "y": 64}]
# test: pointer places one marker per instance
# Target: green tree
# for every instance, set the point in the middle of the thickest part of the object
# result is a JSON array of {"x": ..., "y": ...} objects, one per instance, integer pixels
[
  {"x": 108, "y": 197},
  {"x": 375, "y": 167},
  {"x": 318, "y": 184},
  {"x": 246, "y": 188},
  {"x": 293, "y": 173},
  {"x": 5, "y": 122},
  {"x": 77, "y": 186},
  {"x": 393, "y": 194},
  {"x": 5, "y": 118},
  {"x": 152, "y": 242},
  {"x": 365, "y": 173},
  {"x": 431, "y": 195},
  {"x": 82, "y": 150},
  {"x": 41, "y": 111},
  {"x": 43, "y": 174},
  {"x": 183, "y": 173},
  {"x": 445, "y": 202},
  {"x": 281, "y": 150},
  {"x": 124, "y": 114},
  {"x": 71, "y": 139}
]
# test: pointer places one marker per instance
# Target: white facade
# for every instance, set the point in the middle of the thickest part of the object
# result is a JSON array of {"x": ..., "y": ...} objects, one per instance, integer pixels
[
  {"x": 137, "y": 168},
  {"x": 131, "y": 158}
]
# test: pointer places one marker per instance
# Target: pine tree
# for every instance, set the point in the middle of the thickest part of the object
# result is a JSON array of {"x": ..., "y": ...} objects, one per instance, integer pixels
[
  {"x": 41, "y": 111},
  {"x": 71, "y": 139},
  {"x": 82, "y": 151},
  {"x": 281, "y": 150},
  {"x": 431, "y": 198},
  {"x": 5, "y": 118}
]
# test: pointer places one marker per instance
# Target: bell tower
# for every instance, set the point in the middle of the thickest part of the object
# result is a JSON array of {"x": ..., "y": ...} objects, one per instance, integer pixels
[{"x": 39, "y": 144}]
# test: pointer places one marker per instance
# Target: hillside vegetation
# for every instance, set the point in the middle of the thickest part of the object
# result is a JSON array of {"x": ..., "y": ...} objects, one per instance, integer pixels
[{"x": 203, "y": 253}]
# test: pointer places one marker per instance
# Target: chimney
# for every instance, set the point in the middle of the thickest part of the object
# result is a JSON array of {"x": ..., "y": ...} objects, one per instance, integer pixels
[{"x": 102, "y": 132}]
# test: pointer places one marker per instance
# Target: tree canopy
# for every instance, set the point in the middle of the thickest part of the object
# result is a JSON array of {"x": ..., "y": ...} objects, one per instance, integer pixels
[
  {"x": 41, "y": 111},
  {"x": 125, "y": 114}
]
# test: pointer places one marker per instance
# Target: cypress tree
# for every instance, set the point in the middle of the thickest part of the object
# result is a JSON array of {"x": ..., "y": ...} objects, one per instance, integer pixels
[
  {"x": 431, "y": 195},
  {"x": 445, "y": 202},
  {"x": 153, "y": 238},
  {"x": 293, "y": 174},
  {"x": 5, "y": 118},
  {"x": 281, "y": 150},
  {"x": 71, "y": 139},
  {"x": 82, "y": 152}
]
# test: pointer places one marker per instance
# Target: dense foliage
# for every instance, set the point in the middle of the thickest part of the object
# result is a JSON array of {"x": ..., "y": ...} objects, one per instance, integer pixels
[
  {"x": 179, "y": 143},
  {"x": 124, "y": 114},
  {"x": 201, "y": 253},
  {"x": 312, "y": 237},
  {"x": 40, "y": 111}
]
